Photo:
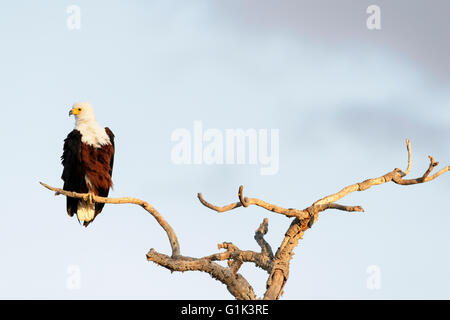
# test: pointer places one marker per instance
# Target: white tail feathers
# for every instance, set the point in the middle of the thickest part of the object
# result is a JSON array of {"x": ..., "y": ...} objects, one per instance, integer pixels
[{"x": 85, "y": 211}]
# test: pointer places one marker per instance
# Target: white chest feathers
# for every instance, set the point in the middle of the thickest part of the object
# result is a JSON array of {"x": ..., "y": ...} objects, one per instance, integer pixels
[{"x": 93, "y": 134}]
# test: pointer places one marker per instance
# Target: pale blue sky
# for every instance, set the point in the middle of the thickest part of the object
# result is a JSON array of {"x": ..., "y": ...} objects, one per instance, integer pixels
[{"x": 344, "y": 99}]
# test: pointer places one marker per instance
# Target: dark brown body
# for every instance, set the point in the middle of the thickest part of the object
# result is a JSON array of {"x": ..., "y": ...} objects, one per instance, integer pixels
[{"x": 80, "y": 161}]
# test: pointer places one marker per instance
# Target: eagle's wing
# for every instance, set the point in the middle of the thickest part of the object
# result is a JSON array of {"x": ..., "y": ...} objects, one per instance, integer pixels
[
  {"x": 110, "y": 149},
  {"x": 111, "y": 138},
  {"x": 72, "y": 174}
]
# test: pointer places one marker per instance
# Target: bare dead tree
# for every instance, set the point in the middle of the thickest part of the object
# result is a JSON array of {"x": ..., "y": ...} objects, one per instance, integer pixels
[{"x": 276, "y": 265}]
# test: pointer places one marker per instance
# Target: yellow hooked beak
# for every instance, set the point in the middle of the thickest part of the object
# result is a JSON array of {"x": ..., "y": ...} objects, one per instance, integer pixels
[{"x": 74, "y": 111}]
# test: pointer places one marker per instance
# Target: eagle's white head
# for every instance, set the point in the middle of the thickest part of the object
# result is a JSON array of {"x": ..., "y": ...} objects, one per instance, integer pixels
[
  {"x": 91, "y": 132},
  {"x": 83, "y": 112}
]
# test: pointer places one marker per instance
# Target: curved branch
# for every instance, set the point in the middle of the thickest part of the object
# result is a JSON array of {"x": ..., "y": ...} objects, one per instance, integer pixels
[
  {"x": 127, "y": 200},
  {"x": 242, "y": 200},
  {"x": 408, "y": 147},
  {"x": 216, "y": 208},
  {"x": 290, "y": 213},
  {"x": 266, "y": 249}
]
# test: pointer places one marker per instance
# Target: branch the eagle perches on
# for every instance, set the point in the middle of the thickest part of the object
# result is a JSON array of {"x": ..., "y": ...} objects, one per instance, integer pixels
[{"x": 275, "y": 264}]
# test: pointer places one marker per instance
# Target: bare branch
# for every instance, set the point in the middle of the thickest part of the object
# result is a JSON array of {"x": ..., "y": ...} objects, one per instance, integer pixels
[
  {"x": 236, "y": 257},
  {"x": 216, "y": 208},
  {"x": 127, "y": 200},
  {"x": 431, "y": 167},
  {"x": 237, "y": 260},
  {"x": 260, "y": 260},
  {"x": 236, "y": 283},
  {"x": 426, "y": 176},
  {"x": 241, "y": 196},
  {"x": 280, "y": 272},
  {"x": 408, "y": 147},
  {"x": 259, "y": 237},
  {"x": 396, "y": 176},
  {"x": 291, "y": 213},
  {"x": 276, "y": 265},
  {"x": 340, "y": 207}
]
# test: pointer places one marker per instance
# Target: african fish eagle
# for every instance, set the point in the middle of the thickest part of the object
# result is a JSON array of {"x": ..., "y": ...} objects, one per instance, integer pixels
[{"x": 88, "y": 162}]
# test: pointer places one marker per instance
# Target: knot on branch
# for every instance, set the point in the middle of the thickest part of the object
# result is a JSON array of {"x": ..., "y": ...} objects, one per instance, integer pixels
[
  {"x": 236, "y": 261},
  {"x": 277, "y": 280},
  {"x": 313, "y": 212},
  {"x": 228, "y": 246},
  {"x": 283, "y": 266}
]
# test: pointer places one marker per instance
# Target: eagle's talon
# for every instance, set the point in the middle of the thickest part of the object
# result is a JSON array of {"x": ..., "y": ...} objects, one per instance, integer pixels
[{"x": 90, "y": 198}]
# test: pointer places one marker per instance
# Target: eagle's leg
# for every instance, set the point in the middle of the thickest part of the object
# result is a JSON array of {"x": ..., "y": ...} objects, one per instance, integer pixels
[{"x": 90, "y": 197}]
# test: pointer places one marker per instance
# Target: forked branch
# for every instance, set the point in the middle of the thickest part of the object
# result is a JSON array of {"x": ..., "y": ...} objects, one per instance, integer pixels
[
  {"x": 304, "y": 219},
  {"x": 276, "y": 265}
]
